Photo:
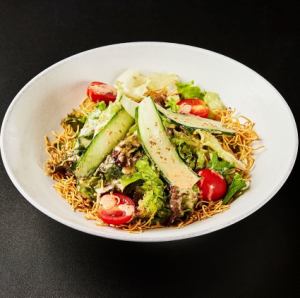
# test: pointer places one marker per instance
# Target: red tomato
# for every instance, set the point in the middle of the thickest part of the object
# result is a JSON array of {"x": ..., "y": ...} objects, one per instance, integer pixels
[
  {"x": 116, "y": 209},
  {"x": 193, "y": 106},
  {"x": 98, "y": 91},
  {"x": 212, "y": 185}
]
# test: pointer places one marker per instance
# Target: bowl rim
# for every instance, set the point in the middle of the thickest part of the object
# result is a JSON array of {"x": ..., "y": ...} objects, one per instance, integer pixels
[{"x": 135, "y": 236}]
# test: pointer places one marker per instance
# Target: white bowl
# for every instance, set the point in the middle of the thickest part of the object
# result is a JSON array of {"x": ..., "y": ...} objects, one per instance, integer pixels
[{"x": 46, "y": 99}]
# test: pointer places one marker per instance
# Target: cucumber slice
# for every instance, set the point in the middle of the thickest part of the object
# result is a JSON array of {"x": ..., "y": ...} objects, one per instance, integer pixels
[
  {"x": 190, "y": 121},
  {"x": 196, "y": 122},
  {"x": 159, "y": 148},
  {"x": 129, "y": 105},
  {"x": 212, "y": 142},
  {"x": 104, "y": 142}
]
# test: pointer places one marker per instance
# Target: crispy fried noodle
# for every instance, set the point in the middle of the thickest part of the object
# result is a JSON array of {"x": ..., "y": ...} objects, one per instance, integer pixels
[{"x": 60, "y": 146}]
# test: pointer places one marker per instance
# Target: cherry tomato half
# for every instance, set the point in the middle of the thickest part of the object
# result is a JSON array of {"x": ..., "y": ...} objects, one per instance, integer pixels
[
  {"x": 193, "y": 106},
  {"x": 116, "y": 209},
  {"x": 212, "y": 185},
  {"x": 98, "y": 91}
]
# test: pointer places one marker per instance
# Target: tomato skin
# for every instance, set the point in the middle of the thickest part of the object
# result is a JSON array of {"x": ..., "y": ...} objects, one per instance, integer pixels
[
  {"x": 114, "y": 217},
  {"x": 98, "y": 91},
  {"x": 120, "y": 210},
  {"x": 123, "y": 199},
  {"x": 212, "y": 185},
  {"x": 193, "y": 106}
]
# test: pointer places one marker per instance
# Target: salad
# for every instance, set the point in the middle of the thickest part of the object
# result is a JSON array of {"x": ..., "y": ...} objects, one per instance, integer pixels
[{"x": 151, "y": 151}]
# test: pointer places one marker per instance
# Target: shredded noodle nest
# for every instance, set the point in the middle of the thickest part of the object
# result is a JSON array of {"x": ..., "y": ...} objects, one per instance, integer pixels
[{"x": 60, "y": 147}]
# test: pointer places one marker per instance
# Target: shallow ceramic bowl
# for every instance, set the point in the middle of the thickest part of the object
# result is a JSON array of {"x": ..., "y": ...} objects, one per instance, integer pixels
[{"x": 39, "y": 107}]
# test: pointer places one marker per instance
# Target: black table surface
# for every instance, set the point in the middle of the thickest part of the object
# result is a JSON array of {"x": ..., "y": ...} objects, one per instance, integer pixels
[{"x": 256, "y": 257}]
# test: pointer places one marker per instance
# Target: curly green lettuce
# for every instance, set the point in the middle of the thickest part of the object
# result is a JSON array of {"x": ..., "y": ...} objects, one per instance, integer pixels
[
  {"x": 154, "y": 200},
  {"x": 87, "y": 186},
  {"x": 190, "y": 150},
  {"x": 171, "y": 103},
  {"x": 237, "y": 185},
  {"x": 213, "y": 101},
  {"x": 189, "y": 90},
  {"x": 74, "y": 121},
  {"x": 219, "y": 165}
]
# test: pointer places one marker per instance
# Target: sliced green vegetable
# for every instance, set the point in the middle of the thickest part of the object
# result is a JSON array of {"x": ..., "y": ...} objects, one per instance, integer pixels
[
  {"x": 96, "y": 120},
  {"x": 129, "y": 105},
  {"x": 104, "y": 143},
  {"x": 190, "y": 121},
  {"x": 213, "y": 143},
  {"x": 196, "y": 122},
  {"x": 237, "y": 185},
  {"x": 160, "y": 149}
]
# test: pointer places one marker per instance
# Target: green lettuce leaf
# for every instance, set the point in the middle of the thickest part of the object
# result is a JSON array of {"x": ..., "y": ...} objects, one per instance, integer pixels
[
  {"x": 238, "y": 184},
  {"x": 101, "y": 106},
  {"x": 219, "y": 165},
  {"x": 213, "y": 101},
  {"x": 213, "y": 143},
  {"x": 153, "y": 202},
  {"x": 74, "y": 121},
  {"x": 129, "y": 179},
  {"x": 87, "y": 186},
  {"x": 190, "y": 150},
  {"x": 171, "y": 103},
  {"x": 189, "y": 90},
  {"x": 113, "y": 172}
]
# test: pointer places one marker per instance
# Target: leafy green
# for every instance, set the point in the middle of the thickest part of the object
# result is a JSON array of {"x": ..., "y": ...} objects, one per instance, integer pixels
[
  {"x": 213, "y": 101},
  {"x": 113, "y": 172},
  {"x": 200, "y": 162},
  {"x": 87, "y": 186},
  {"x": 132, "y": 83},
  {"x": 101, "y": 106},
  {"x": 167, "y": 122},
  {"x": 190, "y": 197},
  {"x": 163, "y": 213},
  {"x": 153, "y": 201},
  {"x": 186, "y": 153},
  {"x": 74, "y": 121},
  {"x": 159, "y": 81},
  {"x": 189, "y": 90},
  {"x": 129, "y": 179},
  {"x": 213, "y": 143},
  {"x": 187, "y": 138},
  {"x": 95, "y": 121},
  {"x": 154, "y": 198},
  {"x": 221, "y": 166},
  {"x": 171, "y": 103},
  {"x": 237, "y": 184},
  {"x": 190, "y": 150},
  {"x": 132, "y": 129}
]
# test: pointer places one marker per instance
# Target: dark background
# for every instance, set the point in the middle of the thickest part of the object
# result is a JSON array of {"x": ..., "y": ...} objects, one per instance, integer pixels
[{"x": 257, "y": 257}]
